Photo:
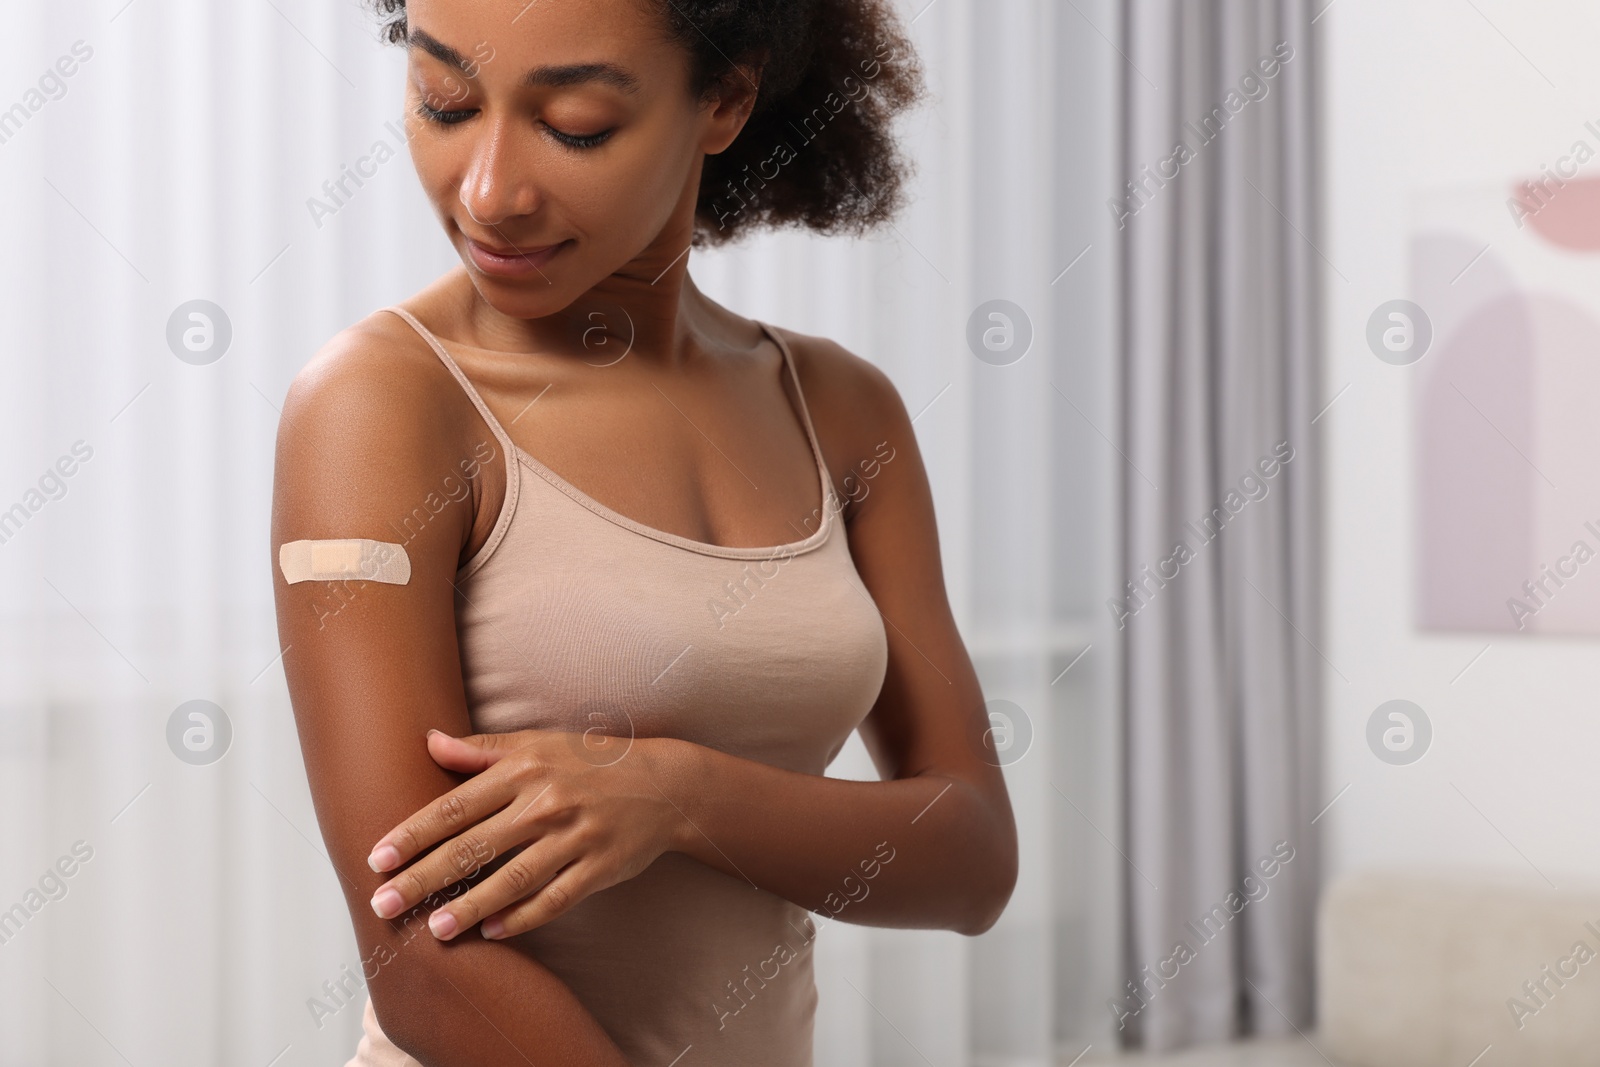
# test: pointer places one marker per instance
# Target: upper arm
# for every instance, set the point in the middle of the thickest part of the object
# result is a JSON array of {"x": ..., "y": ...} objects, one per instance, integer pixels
[
  {"x": 370, "y": 447},
  {"x": 367, "y": 449},
  {"x": 371, "y": 666},
  {"x": 930, "y": 715}
]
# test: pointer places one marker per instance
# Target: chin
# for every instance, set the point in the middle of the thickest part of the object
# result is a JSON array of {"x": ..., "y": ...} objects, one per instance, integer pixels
[{"x": 522, "y": 299}]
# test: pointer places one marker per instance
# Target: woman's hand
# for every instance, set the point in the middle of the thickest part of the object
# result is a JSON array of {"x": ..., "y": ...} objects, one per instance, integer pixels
[{"x": 585, "y": 805}]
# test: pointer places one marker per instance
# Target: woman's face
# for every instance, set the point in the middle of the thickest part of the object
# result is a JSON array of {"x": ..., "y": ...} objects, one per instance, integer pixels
[{"x": 557, "y": 139}]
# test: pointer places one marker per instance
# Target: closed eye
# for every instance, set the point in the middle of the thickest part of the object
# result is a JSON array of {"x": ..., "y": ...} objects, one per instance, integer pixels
[
  {"x": 444, "y": 117},
  {"x": 452, "y": 117},
  {"x": 579, "y": 140}
]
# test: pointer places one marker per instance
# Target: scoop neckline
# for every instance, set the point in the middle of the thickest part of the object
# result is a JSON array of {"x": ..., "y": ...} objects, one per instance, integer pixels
[
  {"x": 806, "y": 544},
  {"x": 802, "y": 414},
  {"x": 829, "y": 499}
]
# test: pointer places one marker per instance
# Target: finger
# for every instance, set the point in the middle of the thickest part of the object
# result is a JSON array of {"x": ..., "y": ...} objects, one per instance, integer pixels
[
  {"x": 469, "y": 754},
  {"x": 473, "y": 752},
  {"x": 460, "y": 858},
  {"x": 463, "y": 806},
  {"x": 561, "y": 894},
  {"x": 526, "y": 873},
  {"x": 454, "y": 860}
]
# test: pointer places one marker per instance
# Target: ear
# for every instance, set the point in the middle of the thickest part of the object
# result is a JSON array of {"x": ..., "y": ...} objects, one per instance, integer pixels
[{"x": 730, "y": 107}]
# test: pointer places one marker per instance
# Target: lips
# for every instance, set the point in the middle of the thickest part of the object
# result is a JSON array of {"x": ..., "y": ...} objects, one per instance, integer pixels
[
  {"x": 508, "y": 261},
  {"x": 509, "y": 251}
]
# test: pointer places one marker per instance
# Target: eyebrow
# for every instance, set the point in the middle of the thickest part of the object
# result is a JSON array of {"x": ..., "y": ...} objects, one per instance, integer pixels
[{"x": 545, "y": 76}]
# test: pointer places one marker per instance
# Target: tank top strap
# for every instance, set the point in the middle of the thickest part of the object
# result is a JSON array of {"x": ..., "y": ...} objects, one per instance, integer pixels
[
  {"x": 829, "y": 497},
  {"x": 495, "y": 428}
]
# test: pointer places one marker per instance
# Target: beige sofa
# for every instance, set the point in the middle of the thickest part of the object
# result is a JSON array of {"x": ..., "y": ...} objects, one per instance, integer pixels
[{"x": 1454, "y": 969}]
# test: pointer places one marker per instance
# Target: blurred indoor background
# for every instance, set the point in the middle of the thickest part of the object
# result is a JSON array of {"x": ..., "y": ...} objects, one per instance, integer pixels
[{"x": 1310, "y": 288}]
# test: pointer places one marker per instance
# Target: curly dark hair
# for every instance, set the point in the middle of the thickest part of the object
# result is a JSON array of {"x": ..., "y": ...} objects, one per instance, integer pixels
[{"x": 818, "y": 150}]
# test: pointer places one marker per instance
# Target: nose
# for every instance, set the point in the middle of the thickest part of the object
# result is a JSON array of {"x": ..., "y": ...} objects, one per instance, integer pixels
[{"x": 498, "y": 182}]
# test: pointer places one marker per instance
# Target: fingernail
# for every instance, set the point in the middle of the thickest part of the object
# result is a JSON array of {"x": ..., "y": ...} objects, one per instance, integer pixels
[
  {"x": 442, "y": 923},
  {"x": 383, "y": 857},
  {"x": 493, "y": 928},
  {"x": 387, "y": 902},
  {"x": 432, "y": 732}
]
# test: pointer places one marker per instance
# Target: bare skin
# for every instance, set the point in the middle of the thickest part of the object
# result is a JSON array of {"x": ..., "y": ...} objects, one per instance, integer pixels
[{"x": 676, "y": 435}]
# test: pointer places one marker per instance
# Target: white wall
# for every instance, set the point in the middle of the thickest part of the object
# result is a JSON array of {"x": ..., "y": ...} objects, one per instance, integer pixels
[{"x": 1423, "y": 96}]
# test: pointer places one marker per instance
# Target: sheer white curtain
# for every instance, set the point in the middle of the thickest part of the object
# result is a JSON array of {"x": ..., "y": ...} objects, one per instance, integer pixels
[{"x": 177, "y": 162}]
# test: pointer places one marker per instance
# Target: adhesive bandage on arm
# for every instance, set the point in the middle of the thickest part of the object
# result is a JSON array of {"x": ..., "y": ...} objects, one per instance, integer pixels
[{"x": 357, "y": 559}]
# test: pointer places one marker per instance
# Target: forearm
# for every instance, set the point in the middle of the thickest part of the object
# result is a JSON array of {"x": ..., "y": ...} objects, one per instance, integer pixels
[
  {"x": 478, "y": 1003},
  {"x": 820, "y": 842}
]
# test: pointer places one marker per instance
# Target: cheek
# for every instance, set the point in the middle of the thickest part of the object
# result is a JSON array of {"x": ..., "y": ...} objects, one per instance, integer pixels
[
  {"x": 632, "y": 192},
  {"x": 439, "y": 163}
]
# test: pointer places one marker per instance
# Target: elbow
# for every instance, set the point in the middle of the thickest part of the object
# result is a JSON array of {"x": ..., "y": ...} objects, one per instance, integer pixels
[
  {"x": 401, "y": 1004},
  {"x": 988, "y": 905},
  {"x": 987, "y": 866},
  {"x": 987, "y": 901},
  {"x": 407, "y": 992}
]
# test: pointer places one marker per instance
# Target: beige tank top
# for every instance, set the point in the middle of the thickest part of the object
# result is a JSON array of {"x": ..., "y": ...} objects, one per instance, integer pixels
[{"x": 571, "y": 617}]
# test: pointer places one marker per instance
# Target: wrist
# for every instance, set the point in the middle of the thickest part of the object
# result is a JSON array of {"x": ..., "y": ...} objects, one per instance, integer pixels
[{"x": 676, "y": 767}]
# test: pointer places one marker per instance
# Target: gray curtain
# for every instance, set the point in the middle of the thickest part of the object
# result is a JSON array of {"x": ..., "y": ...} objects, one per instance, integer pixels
[{"x": 1220, "y": 612}]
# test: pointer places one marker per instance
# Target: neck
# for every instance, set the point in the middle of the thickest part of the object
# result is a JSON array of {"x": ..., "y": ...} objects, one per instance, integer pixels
[{"x": 648, "y": 307}]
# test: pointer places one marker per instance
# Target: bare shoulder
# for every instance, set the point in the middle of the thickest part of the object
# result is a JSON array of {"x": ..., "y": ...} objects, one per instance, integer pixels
[
  {"x": 370, "y": 425},
  {"x": 853, "y": 403},
  {"x": 378, "y": 387},
  {"x": 860, "y": 419},
  {"x": 827, "y": 368},
  {"x": 379, "y": 362}
]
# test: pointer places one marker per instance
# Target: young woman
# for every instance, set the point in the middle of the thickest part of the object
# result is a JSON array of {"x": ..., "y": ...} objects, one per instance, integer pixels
[{"x": 648, "y": 562}]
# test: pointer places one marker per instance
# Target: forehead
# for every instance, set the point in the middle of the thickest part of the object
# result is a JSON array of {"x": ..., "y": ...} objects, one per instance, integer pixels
[{"x": 526, "y": 33}]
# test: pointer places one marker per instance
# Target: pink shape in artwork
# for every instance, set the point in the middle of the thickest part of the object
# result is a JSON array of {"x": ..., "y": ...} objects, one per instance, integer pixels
[
  {"x": 1475, "y": 425},
  {"x": 1569, "y": 216}
]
